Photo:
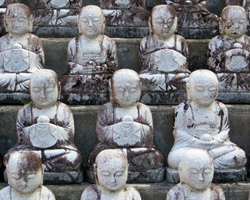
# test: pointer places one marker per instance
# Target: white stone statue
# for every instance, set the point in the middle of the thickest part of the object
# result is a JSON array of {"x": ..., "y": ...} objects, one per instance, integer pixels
[
  {"x": 202, "y": 122},
  {"x": 21, "y": 53},
  {"x": 127, "y": 124},
  {"x": 125, "y": 12},
  {"x": 163, "y": 55},
  {"x": 229, "y": 55},
  {"x": 25, "y": 178},
  {"x": 111, "y": 171},
  {"x": 46, "y": 126},
  {"x": 92, "y": 56},
  {"x": 196, "y": 171},
  {"x": 194, "y": 14}
]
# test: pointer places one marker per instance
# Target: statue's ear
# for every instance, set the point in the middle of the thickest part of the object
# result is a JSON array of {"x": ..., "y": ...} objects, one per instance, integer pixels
[
  {"x": 59, "y": 90},
  {"x": 188, "y": 90},
  {"x": 110, "y": 90},
  {"x": 95, "y": 173},
  {"x": 150, "y": 26},
  {"x": 5, "y": 24},
  {"x": 176, "y": 22},
  {"x": 31, "y": 23},
  {"x": 221, "y": 26},
  {"x": 79, "y": 26},
  {"x": 42, "y": 171},
  {"x": 103, "y": 25}
]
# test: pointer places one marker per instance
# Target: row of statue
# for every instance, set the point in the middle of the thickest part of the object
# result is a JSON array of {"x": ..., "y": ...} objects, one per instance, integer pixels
[
  {"x": 92, "y": 56},
  {"x": 124, "y": 128}
]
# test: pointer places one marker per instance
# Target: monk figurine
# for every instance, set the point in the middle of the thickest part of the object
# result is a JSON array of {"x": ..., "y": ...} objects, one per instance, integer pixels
[
  {"x": 229, "y": 55},
  {"x": 21, "y": 53},
  {"x": 56, "y": 13},
  {"x": 125, "y": 12},
  {"x": 124, "y": 123},
  {"x": 163, "y": 55},
  {"x": 194, "y": 14},
  {"x": 25, "y": 178},
  {"x": 111, "y": 172},
  {"x": 92, "y": 56},
  {"x": 46, "y": 126},
  {"x": 202, "y": 122},
  {"x": 196, "y": 171}
]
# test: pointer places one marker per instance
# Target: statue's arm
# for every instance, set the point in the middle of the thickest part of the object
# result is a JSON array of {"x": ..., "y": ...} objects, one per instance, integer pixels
[
  {"x": 145, "y": 60},
  {"x": 38, "y": 49},
  {"x": 21, "y": 128},
  {"x": 224, "y": 133},
  {"x": 112, "y": 56},
  {"x": 214, "y": 55},
  {"x": 103, "y": 129}
]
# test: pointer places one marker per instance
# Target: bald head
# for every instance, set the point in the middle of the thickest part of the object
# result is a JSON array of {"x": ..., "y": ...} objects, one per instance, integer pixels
[
  {"x": 164, "y": 9},
  {"x": 233, "y": 10},
  {"x": 18, "y": 8},
  {"x": 44, "y": 75}
]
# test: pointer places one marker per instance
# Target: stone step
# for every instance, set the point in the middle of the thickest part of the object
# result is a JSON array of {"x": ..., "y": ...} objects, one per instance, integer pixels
[
  {"x": 163, "y": 119},
  {"x": 157, "y": 191}
]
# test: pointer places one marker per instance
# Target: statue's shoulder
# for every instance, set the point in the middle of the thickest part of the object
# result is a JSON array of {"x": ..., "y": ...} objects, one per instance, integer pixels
[
  {"x": 132, "y": 192},
  {"x": 90, "y": 193},
  {"x": 47, "y": 193},
  {"x": 174, "y": 192},
  {"x": 217, "y": 192},
  {"x": 5, "y": 193}
]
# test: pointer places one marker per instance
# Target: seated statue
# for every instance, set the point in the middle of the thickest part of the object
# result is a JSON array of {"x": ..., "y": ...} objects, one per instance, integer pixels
[
  {"x": 46, "y": 126},
  {"x": 25, "y": 178},
  {"x": 196, "y": 171},
  {"x": 126, "y": 124},
  {"x": 229, "y": 55},
  {"x": 21, "y": 53},
  {"x": 56, "y": 13},
  {"x": 111, "y": 172},
  {"x": 163, "y": 55},
  {"x": 202, "y": 122},
  {"x": 194, "y": 14},
  {"x": 92, "y": 56},
  {"x": 125, "y": 12}
]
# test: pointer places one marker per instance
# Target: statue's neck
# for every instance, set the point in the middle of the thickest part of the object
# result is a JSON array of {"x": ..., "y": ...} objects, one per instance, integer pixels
[
  {"x": 21, "y": 196},
  {"x": 19, "y": 37}
]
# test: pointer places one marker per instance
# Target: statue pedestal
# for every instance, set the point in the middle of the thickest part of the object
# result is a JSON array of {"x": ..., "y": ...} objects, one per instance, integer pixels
[
  {"x": 220, "y": 176},
  {"x": 144, "y": 176}
]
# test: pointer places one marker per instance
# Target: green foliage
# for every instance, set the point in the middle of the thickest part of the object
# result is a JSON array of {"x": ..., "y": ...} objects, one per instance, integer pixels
[{"x": 24, "y": 102}]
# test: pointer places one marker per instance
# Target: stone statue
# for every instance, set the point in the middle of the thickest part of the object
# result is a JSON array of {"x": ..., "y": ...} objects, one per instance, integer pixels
[
  {"x": 25, "y": 177},
  {"x": 125, "y": 12},
  {"x": 46, "y": 126},
  {"x": 92, "y": 56},
  {"x": 196, "y": 171},
  {"x": 202, "y": 122},
  {"x": 21, "y": 53},
  {"x": 163, "y": 55},
  {"x": 194, "y": 14},
  {"x": 56, "y": 13},
  {"x": 126, "y": 124},
  {"x": 229, "y": 55},
  {"x": 111, "y": 172}
]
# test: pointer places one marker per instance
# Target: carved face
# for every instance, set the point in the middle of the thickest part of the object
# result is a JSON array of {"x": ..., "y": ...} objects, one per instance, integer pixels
[
  {"x": 126, "y": 89},
  {"x": 91, "y": 21},
  {"x": 23, "y": 181},
  {"x": 18, "y": 21},
  {"x": 197, "y": 172},
  {"x": 43, "y": 91},
  {"x": 203, "y": 88},
  {"x": 164, "y": 22},
  {"x": 112, "y": 175},
  {"x": 234, "y": 22}
]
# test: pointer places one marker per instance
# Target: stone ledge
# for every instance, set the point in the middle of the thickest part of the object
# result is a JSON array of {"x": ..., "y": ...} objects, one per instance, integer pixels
[{"x": 157, "y": 191}]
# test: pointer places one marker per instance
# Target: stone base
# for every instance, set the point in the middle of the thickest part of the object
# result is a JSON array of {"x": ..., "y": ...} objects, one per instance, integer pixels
[
  {"x": 56, "y": 32},
  {"x": 160, "y": 98},
  {"x": 126, "y": 32},
  {"x": 192, "y": 33},
  {"x": 60, "y": 178},
  {"x": 13, "y": 98},
  {"x": 85, "y": 98},
  {"x": 220, "y": 176},
  {"x": 147, "y": 176}
]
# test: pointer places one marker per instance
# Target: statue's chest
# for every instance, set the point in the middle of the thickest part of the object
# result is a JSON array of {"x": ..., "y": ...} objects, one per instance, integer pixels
[
  {"x": 49, "y": 112},
  {"x": 121, "y": 112}
]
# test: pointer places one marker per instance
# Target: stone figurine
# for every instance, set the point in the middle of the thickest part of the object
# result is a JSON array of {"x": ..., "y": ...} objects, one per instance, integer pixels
[
  {"x": 202, "y": 122},
  {"x": 25, "y": 178},
  {"x": 229, "y": 55},
  {"x": 125, "y": 12},
  {"x": 196, "y": 171},
  {"x": 53, "y": 16},
  {"x": 127, "y": 124},
  {"x": 163, "y": 55},
  {"x": 21, "y": 53},
  {"x": 194, "y": 14},
  {"x": 46, "y": 126},
  {"x": 92, "y": 56},
  {"x": 111, "y": 172}
]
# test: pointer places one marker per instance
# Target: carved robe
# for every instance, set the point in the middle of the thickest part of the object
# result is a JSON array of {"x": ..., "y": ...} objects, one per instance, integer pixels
[{"x": 18, "y": 59}]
